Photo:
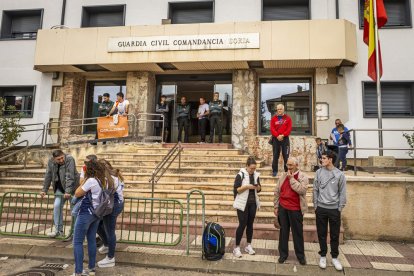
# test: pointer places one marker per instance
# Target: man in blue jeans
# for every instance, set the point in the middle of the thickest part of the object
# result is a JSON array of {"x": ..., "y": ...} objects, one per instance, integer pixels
[{"x": 61, "y": 173}]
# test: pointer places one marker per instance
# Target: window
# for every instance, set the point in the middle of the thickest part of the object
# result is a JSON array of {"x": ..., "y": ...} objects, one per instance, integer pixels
[
  {"x": 21, "y": 24},
  {"x": 398, "y": 12},
  {"x": 21, "y": 97},
  {"x": 397, "y": 99},
  {"x": 285, "y": 10},
  {"x": 191, "y": 12},
  {"x": 103, "y": 16},
  {"x": 295, "y": 95}
]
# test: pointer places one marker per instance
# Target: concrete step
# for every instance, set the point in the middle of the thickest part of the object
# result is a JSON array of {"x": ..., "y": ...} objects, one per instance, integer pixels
[
  {"x": 184, "y": 163},
  {"x": 210, "y": 146},
  {"x": 160, "y": 156},
  {"x": 164, "y": 151}
]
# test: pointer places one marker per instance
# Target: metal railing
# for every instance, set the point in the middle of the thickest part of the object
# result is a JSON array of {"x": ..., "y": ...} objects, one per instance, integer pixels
[
  {"x": 80, "y": 123},
  {"x": 203, "y": 217},
  {"x": 165, "y": 163},
  {"x": 25, "y": 148},
  {"x": 148, "y": 117},
  {"x": 27, "y": 214},
  {"x": 380, "y": 149}
]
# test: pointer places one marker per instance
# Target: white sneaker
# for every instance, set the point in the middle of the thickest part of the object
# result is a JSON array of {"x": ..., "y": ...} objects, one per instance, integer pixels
[
  {"x": 249, "y": 249},
  {"x": 237, "y": 253},
  {"x": 54, "y": 234},
  {"x": 337, "y": 264},
  {"x": 103, "y": 249},
  {"x": 107, "y": 262},
  {"x": 322, "y": 262}
]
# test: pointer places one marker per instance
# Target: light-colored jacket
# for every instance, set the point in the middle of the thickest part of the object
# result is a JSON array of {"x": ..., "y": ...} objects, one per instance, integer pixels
[
  {"x": 241, "y": 198},
  {"x": 300, "y": 186}
]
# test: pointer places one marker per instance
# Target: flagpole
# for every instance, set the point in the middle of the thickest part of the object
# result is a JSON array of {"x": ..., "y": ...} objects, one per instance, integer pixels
[{"x": 378, "y": 73}]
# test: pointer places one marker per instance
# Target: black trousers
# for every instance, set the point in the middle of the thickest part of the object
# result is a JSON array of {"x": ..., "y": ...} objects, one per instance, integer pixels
[
  {"x": 183, "y": 123},
  {"x": 202, "y": 125},
  {"x": 291, "y": 220},
  {"x": 216, "y": 126},
  {"x": 246, "y": 220},
  {"x": 278, "y": 146},
  {"x": 333, "y": 217}
]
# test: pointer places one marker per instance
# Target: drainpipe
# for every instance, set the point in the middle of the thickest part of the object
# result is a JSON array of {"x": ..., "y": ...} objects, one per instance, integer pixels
[
  {"x": 62, "y": 17},
  {"x": 337, "y": 9}
]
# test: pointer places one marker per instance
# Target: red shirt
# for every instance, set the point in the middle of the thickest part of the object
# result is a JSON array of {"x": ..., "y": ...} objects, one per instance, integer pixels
[
  {"x": 278, "y": 127},
  {"x": 289, "y": 199}
]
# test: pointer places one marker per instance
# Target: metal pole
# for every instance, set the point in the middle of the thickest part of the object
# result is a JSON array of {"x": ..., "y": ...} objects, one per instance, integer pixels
[
  {"x": 354, "y": 143},
  {"x": 380, "y": 141}
]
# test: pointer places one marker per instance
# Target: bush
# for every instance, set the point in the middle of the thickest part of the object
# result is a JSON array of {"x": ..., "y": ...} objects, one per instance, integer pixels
[
  {"x": 410, "y": 141},
  {"x": 10, "y": 130}
]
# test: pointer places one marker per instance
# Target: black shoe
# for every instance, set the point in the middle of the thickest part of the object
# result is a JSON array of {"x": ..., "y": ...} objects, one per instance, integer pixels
[
  {"x": 281, "y": 260},
  {"x": 302, "y": 261}
]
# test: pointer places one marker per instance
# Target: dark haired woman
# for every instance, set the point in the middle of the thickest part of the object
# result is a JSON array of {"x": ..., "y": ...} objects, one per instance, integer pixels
[
  {"x": 106, "y": 229},
  {"x": 87, "y": 223},
  {"x": 246, "y": 201}
]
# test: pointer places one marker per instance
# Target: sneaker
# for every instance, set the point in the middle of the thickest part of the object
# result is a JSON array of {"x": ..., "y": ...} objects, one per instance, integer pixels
[
  {"x": 237, "y": 253},
  {"x": 107, "y": 262},
  {"x": 54, "y": 234},
  {"x": 337, "y": 264},
  {"x": 103, "y": 249},
  {"x": 84, "y": 273},
  {"x": 274, "y": 174},
  {"x": 249, "y": 249},
  {"x": 322, "y": 262}
]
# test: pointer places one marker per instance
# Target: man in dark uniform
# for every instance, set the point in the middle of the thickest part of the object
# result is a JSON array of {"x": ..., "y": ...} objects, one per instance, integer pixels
[
  {"x": 183, "y": 118},
  {"x": 216, "y": 112},
  {"x": 163, "y": 109},
  {"x": 104, "y": 107}
]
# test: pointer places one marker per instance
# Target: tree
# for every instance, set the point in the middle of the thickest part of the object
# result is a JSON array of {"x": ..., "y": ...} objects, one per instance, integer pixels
[
  {"x": 10, "y": 130},
  {"x": 410, "y": 141}
]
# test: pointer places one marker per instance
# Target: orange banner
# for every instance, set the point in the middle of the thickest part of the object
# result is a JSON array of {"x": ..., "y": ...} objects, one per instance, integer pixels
[{"x": 107, "y": 128}]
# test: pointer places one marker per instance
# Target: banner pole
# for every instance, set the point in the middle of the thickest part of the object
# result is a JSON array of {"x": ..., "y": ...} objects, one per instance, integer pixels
[{"x": 377, "y": 69}]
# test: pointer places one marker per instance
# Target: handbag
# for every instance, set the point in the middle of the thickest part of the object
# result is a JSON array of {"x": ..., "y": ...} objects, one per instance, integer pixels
[
  {"x": 115, "y": 119},
  {"x": 76, "y": 203}
]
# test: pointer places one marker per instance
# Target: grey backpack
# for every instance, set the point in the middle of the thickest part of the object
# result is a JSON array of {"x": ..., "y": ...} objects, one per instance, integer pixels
[{"x": 106, "y": 202}]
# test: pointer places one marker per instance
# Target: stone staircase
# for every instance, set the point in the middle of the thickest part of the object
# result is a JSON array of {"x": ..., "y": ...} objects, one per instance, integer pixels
[{"x": 210, "y": 168}]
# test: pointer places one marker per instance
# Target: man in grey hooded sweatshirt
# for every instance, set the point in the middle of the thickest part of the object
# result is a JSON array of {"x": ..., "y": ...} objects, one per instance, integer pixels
[{"x": 329, "y": 199}]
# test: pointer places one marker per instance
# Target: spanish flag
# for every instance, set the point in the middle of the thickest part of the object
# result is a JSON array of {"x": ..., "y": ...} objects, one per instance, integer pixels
[{"x": 369, "y": 34}]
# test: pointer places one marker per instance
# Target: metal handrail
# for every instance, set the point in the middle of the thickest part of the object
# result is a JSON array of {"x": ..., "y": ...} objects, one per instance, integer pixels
[
  {"x": 16, "y": 152},
  {"x": 203, "y": 219},
  {"x": 81, "y": 124},
  {"x": 380, "y": 149},
  {"x": 43, "y": 129},
  {"x": 165, "y": 163},
  {"x": 162, "y": 120}
]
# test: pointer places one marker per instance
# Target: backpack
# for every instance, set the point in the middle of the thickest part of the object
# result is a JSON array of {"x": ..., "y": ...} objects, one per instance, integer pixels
[
  {"x": 106, "y": 202},
  {"x": 214, "y": 242}
]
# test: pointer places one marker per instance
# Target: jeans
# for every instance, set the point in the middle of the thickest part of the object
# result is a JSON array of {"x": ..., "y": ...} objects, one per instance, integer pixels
[
  {"x": 58, "y": 211},
  {"x": 246, "y": 220},
  {"x": 86, "y": 225},
  {"x": 107, "y": 226},
  {"x": 291, "y": 220},
  {"x": 283, "y": 145},
  {"x": 333, "y": 217},
  {"x": 342, "y": 157}
]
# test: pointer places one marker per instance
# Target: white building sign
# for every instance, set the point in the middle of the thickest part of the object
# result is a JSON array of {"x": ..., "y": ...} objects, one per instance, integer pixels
[{"x": 184, "y": 42}]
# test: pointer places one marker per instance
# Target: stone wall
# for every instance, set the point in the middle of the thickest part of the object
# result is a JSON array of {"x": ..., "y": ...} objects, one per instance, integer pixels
[
  {"x": 72, "y": 104},
  {"x": 141, "y": 95}
]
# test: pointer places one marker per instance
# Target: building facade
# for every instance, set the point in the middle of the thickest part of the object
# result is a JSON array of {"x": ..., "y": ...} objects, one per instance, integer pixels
[{"x": 59, "y": 57}]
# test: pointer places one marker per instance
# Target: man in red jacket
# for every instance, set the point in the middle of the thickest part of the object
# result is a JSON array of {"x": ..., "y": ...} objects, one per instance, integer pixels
[{"x": 280, "y": 126}]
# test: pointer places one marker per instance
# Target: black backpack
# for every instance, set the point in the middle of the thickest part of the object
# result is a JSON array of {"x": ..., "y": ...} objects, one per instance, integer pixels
[{"x": 214, "y": 242}]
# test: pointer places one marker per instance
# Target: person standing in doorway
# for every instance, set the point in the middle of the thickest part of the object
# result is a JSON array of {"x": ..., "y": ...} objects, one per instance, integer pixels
[
  {"x": 216, "y": 115},
  {"x": 103, "y": 110},
  {"x": 329, "y": 199},
  {"x": 183, "y": 118},
  {"x": 162, "y": 108},
  {"x": 202, "y": 115},
  {"x": 62, "y": 174},
  {"x": 290, "y": 206},
  {"x": 280, "y": 127},
  {"x": 246, "y": 201},
  {"x": 121, "y": 106}
]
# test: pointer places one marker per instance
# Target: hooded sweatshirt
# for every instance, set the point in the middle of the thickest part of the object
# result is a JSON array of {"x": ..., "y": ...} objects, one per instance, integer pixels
[{"x": 329, "y": 189}]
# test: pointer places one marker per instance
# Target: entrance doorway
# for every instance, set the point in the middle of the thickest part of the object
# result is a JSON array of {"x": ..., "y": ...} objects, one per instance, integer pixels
[{"x": 193, "y": 87}]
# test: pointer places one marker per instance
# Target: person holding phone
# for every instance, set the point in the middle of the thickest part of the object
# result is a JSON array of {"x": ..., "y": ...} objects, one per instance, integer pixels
[
  {"x": 246, "y": 201},
  {"x": 290, "y": 205}
]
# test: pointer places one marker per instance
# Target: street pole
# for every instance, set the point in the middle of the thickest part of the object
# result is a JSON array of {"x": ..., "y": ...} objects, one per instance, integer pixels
[{"x": 377, "y": 69}]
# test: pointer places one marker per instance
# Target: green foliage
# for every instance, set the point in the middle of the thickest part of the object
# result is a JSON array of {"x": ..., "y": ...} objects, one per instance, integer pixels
[
  {"x": 410, "y": 141},
  {"x": 10, "y": 130}
]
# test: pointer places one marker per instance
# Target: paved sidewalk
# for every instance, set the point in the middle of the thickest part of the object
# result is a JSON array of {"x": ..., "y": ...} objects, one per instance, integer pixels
[{"x": 360, "y": 255}]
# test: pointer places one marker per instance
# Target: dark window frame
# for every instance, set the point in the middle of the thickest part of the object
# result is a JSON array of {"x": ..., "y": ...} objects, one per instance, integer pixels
[
  {"x": 389, "y": 116},
  {"x": 101, "y": 8},
  {"x": 269, "y": 79},
  {"x": 21, "y": 11},
  {"x": 33, "y": 98},
  {"x": 409, "y": 24},
  {"x": 199, "y": 2},
  {"x": 309, "y": 11}
]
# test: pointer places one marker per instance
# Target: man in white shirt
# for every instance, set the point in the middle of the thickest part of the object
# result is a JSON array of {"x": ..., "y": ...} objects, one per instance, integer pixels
[
  {"x": 121, "y": 106},
  {"x": 202, "y": 115}
]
